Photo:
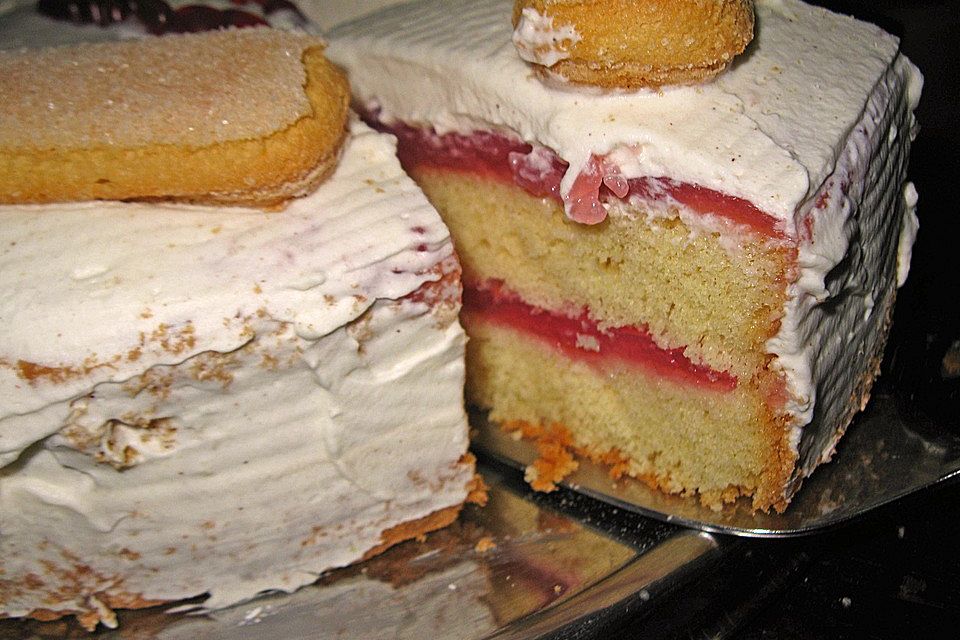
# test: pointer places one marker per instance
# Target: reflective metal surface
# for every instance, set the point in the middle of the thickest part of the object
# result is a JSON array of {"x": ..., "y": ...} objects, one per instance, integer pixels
[
  {"x": 884, "y": 456},
  {"x": 523, "y": 566}
]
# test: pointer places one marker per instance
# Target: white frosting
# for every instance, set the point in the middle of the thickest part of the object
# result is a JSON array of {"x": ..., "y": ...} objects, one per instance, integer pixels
[
  {"x": 908, "y": 234},
  {"x": 538, "y": 41},
  {"x": 862, "y": 225},
  {"x": 222, "y": 401},
  {"x": 819, "y": 102}
]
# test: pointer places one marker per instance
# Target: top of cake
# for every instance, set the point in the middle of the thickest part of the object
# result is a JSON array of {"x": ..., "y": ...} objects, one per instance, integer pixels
[{"x": 768, "y": 131}]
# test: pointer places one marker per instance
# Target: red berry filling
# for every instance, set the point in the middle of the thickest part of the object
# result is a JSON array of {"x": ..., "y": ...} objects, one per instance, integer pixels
[{"x": 580, "y": 338}]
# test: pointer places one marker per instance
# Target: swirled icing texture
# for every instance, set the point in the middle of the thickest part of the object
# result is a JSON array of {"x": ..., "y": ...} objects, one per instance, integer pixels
[
  {"x": 812, "y": 125},
  {"x": 198, "y": 400}
]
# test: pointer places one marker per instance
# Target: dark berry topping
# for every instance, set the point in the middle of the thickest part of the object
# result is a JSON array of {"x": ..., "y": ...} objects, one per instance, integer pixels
[{"x": 159, "y": 17}]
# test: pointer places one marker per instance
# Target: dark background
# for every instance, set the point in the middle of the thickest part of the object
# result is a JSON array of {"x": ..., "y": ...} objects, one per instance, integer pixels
[{"x": 896, "y": 572}]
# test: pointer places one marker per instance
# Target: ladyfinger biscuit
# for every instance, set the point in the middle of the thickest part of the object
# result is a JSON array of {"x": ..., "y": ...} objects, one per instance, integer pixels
[
  {"x": 630, "y": 44},
  {"x": 250, "y": 117}
]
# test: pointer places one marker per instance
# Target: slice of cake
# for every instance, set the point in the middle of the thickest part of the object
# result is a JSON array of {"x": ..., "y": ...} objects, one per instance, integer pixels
[
  {"x": 693, "y": 283},
  {"x": 199, "y": 399}
]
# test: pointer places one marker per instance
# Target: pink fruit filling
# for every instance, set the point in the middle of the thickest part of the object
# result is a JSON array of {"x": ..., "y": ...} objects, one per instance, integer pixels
[
  {"x": 538, "y": 171},
  {"x": 580, "y": 338}
]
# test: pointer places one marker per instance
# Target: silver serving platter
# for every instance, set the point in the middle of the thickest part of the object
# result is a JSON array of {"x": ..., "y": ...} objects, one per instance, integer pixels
[{"x": 884, "y": 456}]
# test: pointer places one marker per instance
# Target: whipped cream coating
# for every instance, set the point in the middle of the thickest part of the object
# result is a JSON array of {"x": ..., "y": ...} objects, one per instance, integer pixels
[
  {"x": 538, "y": 41},
  {"x": 812, "y": 125},
  {"x": 223, "y": 401},
  {"x": 855, "y": 253}
]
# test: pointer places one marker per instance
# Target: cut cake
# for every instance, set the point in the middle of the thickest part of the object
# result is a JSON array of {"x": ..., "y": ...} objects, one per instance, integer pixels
[{"x": 693, "y": 283}]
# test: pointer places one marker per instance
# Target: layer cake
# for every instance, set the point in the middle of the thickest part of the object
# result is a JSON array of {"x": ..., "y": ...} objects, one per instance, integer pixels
[{"x": 693, "y": 283}]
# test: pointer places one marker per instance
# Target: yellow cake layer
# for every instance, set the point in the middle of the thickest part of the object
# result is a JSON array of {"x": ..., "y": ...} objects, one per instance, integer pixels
[
  {"x": 690, "y": 288},
  {"x": 685, "y": 440},
  {"x": 720, "y": 296}
]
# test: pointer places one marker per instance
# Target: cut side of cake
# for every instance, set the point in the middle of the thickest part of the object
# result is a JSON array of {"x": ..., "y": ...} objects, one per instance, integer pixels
[
  {"x": 694, "y": 284},
  {"x": 220, "y": 401}
]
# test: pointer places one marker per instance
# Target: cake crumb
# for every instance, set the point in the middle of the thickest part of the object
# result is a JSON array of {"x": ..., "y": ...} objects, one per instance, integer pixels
[
  {"x": 485, "y": 544},
  {"x": 555, "y": 459},
  {"x": 477, "y": 489}
]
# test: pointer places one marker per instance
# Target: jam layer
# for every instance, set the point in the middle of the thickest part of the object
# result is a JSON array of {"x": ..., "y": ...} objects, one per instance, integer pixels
[
  {"x": 580, "y": 338},
  {"x": 538, "y": 171}
]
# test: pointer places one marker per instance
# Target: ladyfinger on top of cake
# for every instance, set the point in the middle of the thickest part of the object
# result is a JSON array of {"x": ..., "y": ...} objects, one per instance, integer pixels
[
  {"x": 631, "y": 44},
  {"x": 247, "y": 117}
]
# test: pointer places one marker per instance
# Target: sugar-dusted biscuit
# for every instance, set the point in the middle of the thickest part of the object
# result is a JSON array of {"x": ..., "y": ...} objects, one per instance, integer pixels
[
  {"x": 630, "y": 44},
  {"x": 249, "y": 117}
]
